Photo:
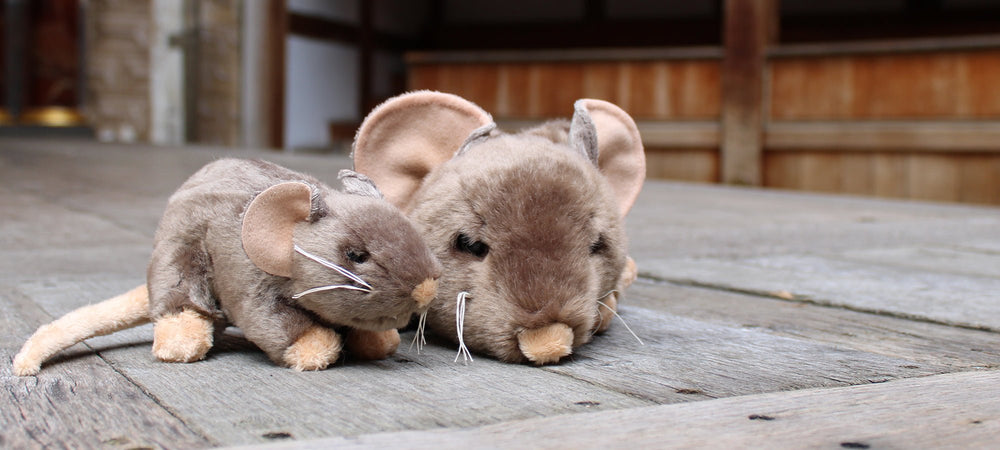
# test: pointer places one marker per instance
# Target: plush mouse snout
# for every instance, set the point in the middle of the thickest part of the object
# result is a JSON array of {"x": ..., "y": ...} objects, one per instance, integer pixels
[
  {"x": 547, "y": 344},
  {"x": 425, "y": 292}
]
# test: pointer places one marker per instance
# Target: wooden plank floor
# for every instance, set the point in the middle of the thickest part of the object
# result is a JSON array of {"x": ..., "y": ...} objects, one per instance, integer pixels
[{"x": 768, "y": 319}]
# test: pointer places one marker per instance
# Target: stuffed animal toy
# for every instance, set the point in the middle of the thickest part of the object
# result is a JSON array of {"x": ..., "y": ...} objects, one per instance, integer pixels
[
  {"x": 276, "y": 253},
  {"x": 528, "y": 226}
]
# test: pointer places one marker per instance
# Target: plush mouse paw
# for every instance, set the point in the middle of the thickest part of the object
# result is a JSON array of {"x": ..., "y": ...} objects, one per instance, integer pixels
[
  {"x": 547, "y": 344},
  {"x": 606, "y": 314},
  {"x": 364, "y": 344},
  {"x": 184, "y": 337},
  {"x": 629, "y": 273},
  {"x": 316, "y": 349}
]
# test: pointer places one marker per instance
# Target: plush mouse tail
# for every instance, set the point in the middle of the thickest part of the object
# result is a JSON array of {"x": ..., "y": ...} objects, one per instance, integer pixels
[{"x": 118, "y": 313}]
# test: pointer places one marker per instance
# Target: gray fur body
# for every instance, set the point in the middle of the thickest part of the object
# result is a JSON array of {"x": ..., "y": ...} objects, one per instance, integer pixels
[{"x": 199, "y": 263}]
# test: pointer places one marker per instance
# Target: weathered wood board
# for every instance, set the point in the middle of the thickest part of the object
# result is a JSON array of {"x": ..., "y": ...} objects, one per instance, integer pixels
[
  {"x": 944, "y": 411},
  {"x": 968, "y": 301},
  {"x": 931, "y": 346},
  {"x": 76, "y": 226},
  {"x": 931, "y": 262},
  {"x": 77, "y": 402}
]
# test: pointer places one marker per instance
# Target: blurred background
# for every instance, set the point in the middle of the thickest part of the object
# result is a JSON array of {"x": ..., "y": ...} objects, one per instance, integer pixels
[{"x": 893, "y": 98}]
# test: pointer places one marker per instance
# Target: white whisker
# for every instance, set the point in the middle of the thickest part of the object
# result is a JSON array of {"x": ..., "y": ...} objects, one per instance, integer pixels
[
  {"x": 463, "y": 351},
  {"x": 418, "y": 339},
  {"x": 340, "y": 270},
  {"x": 623, "y": 321},
  {"x": 613, "y": 291},
  {"x": 329, "y": 288},
  {"x": 598, "y": 327}
]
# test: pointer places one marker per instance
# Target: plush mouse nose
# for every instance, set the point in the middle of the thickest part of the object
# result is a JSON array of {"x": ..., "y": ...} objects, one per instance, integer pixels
[
  {"x": 425, "y": 292},
  {"x": 546, "y": 344}
]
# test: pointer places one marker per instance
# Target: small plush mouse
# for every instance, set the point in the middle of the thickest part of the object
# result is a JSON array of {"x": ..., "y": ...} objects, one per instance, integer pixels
[
  {"x": 528, "y": 226},
  {"x": 276, "y": 253}
]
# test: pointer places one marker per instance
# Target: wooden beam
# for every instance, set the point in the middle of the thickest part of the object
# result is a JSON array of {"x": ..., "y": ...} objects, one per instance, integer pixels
[
  {"x": 366, "y": 50},
  {"x": 922, "y": 136},
  {"x": 749, "y": 26},
  {"x": 277, "y": 34},
  {"x": 887, "y": 46},
  {"x": 325, "y": 29},
  {"x": 565, "y": 55}
]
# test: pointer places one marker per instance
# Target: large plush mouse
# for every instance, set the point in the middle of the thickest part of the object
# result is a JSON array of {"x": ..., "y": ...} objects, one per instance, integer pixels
[
  {"x": 276, "y": 253},
  {"x": 528, "y": 226}
]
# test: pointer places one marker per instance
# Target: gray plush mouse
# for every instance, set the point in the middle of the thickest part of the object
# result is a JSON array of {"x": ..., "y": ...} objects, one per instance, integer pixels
[
  {"x": 528, "y": 226},
  {"x": 276, "y": 253}
]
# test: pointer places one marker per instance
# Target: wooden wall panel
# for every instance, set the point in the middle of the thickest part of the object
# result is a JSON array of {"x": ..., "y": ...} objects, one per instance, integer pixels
[
  {"x": 982, "y": 69},
  {"x": 903, "y": 89},
  {"x": 695, "y": 90},
  {"x": 600, "y": 81},
  {"x": 514, "y": 90},
  {"x": 857, "y": 173},
  {"x": 782, "y": 170},
  {"x": 806, "y": 89},
  {"x": 963, "y": 177},
  {"x": 559, "y": 85},
  {"x": 891, "y": 177},
  {"x": 660, "y": 90},
  {"x": 979, "y": 179},
  {"x": 943, "y": 85},
  {"x": 694, "y": 165},
  {"x": 934, "y": 177}
]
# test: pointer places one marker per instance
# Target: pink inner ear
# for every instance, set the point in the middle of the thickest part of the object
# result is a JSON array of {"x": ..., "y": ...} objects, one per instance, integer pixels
[
  {"x": 406, "y": 137},
  {"x": 621, "y": 157},
  {"x": 269, "y": 226}
]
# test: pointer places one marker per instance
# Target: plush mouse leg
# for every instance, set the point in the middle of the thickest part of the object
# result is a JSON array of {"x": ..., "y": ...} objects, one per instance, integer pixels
[
  {"x": 316, "y": 349},
  {"x": 364, "y": 344},
  {"x": 184, "y": 337}
]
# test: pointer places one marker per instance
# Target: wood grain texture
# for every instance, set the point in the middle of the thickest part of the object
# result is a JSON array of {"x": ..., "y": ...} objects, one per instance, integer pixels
[
  {"x": 956, "y": 84},
  {"x": 930, "y": 295},
  {"x": 748, "y": 27},
  {"x": 653, "y": 90},
  {"x": 953, "y": 348},
  {"x": 250, "y": 398},
  {"x": 697, "y": 165},
  {"x": 961, "y": 177},
  {"x": 80, "y": 402},
  {"x": 685, "y": 360},
  {"x": 886, "y": 269},
  {"x": 884, "y": 136},
  {"x": 902, "y": 413}
]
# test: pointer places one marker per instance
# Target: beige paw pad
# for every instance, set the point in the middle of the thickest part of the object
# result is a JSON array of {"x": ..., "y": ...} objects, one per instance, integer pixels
[
  {"x": 364, "y": 344},
  {"x": 547, "y": 344},
  {"x": 184, "y": 337},
  {"x": 316, "y": 349}
]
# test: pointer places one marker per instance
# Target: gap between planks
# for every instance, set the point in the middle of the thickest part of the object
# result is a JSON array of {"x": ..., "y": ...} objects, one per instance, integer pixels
[
  {"x": 952, "y": 410},
  {"x": 807, "y": 300}
]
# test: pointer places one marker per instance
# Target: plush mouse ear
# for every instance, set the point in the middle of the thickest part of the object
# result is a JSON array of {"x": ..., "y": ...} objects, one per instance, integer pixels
[
  {"x": 618, "y": 152},
  {"x": 269, "y": 222},
  {"x": 406, "y": 137},
  {"x": 358, "y": 184}
]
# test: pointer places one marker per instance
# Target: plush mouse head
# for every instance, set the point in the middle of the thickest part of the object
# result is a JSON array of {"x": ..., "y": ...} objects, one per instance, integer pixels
[
  {"x": 528, "y": 226},
  {"x": 351, "y": 257}
]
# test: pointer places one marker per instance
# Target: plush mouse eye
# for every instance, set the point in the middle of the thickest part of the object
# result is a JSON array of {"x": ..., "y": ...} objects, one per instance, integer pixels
[
  {"x": 477, "y": 248},
  {"x": 357, "y": 257},
  {"x": 599, "y": 246}
]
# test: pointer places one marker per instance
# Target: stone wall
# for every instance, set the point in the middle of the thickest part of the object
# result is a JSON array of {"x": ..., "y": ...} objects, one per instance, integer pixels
[
  {"x": 118, "y": 65},
  {"x": 117, "y": 56}
]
